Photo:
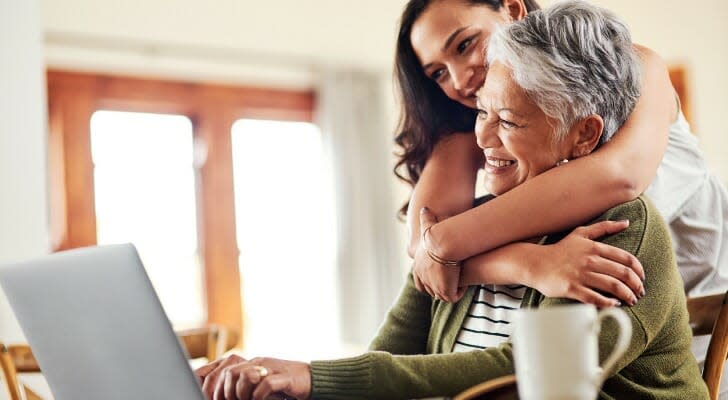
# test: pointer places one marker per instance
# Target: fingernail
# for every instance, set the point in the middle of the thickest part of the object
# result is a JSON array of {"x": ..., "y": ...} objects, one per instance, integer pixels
[
  {"x": 625, "y": 221},
  {"x": 634, "y": 301},
  {"x": 642, "y": 292},
  {"x": 617, "y": 303}
]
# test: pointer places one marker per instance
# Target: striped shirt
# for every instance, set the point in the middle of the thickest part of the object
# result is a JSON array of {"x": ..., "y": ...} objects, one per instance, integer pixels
[{"x": 489, "y": 318}]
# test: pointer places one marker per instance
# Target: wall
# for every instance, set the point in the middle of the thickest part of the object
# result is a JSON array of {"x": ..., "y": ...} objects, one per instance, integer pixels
[
  {"x": 23, "y": 176},
  {"x": 281, "y": 42},
  {"x": 23, "y": 204}
]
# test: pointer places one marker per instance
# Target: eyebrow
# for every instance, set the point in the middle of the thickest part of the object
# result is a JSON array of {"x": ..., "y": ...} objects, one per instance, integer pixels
[
  {"x": 452, "y": 37},
  {"x": 448, "y": 42},
  {"x": 510, "y": 110}
]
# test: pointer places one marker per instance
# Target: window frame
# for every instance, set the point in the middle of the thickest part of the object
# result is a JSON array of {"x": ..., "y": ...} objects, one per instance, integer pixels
[{"x": 73, "y": 97}]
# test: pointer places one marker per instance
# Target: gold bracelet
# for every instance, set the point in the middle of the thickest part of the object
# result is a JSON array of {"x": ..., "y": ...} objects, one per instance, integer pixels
[{"x": 434, "y": 257}]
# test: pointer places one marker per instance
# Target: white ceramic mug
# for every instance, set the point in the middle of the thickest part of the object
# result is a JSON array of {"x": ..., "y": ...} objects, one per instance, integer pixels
[{"x": 556, "y": 351}]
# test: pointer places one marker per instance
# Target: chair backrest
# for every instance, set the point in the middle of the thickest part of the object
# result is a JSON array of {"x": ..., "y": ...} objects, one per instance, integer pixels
[
  {"x": 495, "y": 389},
  {"x": 10, "y": 376},
  {"x": 209, "y": 342},
  {"x": 709, "y": 316}
]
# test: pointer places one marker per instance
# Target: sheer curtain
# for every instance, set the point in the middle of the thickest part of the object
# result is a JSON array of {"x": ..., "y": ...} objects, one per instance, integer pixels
[{"x": 358, "y": 143}]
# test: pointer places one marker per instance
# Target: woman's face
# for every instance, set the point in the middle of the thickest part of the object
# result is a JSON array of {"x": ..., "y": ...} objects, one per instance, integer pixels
[
  {"x": 449, "y": 39},
  {"x": 515, "y": 135}
]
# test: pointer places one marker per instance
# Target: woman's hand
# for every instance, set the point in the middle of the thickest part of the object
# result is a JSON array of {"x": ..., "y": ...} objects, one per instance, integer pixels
[
  {"x": 580, "y": 268},
  {"x": 439, "y": 281},
  {"x": 235, "y": 378}
]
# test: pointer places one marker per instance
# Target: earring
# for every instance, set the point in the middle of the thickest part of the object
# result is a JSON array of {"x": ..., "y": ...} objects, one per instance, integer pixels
[{"x": 562, "y": 162}]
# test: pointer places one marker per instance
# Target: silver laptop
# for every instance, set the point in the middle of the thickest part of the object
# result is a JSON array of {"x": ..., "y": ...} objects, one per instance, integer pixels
[{"x": 97, "y": 328}]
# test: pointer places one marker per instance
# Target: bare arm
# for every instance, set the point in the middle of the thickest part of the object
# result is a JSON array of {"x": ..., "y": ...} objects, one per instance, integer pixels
[
  {"x": 561, "y": 197},
  {"x": 447, "y": 184},
  {"x": 576, "y": 267}
]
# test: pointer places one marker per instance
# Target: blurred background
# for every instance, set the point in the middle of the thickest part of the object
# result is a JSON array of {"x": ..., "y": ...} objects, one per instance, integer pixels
[{"x": 246, "y": 149}]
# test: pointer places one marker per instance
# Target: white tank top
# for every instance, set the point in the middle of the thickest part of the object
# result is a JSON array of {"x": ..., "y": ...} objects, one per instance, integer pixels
[
  {"x": 695, "y": 205},
  {"x": 681, "y": 172}
]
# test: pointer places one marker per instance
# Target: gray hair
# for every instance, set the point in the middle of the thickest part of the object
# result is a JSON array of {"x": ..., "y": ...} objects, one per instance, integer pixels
[{"x": 572, "y": 59}]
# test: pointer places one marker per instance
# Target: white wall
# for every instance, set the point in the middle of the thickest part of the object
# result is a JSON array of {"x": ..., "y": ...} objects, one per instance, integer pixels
[
  {"x": 279, "y": 42},
  {"x": 23, "y": 176}
]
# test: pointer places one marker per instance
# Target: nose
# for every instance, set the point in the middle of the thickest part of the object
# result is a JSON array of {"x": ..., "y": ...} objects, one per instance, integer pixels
[
  {"x": 486, "y": 134},
  {"x": 462, "y": 80}
]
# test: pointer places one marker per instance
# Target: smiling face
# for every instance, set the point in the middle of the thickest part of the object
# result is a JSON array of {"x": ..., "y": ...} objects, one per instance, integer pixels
[
  {"x": 515, "y": 135},
  {"x": 449, "y": 40}
]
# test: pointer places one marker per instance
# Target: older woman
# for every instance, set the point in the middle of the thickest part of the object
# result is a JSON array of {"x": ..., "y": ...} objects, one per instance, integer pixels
[{"x": 560, "y": 83}]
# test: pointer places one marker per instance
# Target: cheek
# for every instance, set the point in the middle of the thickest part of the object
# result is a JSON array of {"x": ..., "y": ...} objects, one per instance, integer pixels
[
  {"x": 531, "y": 157},
  {"x": 477, "y": 58},
  {"x": 448, "y": 89}
]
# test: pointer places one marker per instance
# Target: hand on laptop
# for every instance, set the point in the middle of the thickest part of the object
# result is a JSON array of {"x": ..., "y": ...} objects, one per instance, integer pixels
[{"x": 234, "y": 378}]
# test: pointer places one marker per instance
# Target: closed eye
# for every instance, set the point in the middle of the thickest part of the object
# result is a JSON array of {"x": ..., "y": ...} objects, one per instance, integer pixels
[
  {"x": 507, "y": 124},
  {"x": 482, "y": 114}
]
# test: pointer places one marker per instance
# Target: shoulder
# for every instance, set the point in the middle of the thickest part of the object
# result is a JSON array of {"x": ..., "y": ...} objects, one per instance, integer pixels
[
  {"x": 636, "y": 211},
  {"x": 645, "y": 225}
]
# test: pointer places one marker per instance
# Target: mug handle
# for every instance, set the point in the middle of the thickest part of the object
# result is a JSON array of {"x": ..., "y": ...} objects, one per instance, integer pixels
[{"x": 625, "y": 334}]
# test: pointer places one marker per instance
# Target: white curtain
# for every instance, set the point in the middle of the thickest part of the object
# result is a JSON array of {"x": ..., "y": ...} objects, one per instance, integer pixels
[{"x": 358, "y": 140}]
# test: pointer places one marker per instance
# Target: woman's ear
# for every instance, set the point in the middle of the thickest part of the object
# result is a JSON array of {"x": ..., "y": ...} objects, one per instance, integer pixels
[
  {"x": 587, "y": 133},
  {"x": 516, "y": 9}
]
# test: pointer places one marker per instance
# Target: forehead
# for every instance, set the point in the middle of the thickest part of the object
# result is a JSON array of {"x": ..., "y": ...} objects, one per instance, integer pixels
[
  {"x": 443, "y": 17},
  {"x": 501, "y": 90}
]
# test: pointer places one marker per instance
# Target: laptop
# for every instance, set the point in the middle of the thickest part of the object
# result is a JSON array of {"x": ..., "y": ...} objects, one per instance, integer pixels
[{"x": 97, "y": 328}]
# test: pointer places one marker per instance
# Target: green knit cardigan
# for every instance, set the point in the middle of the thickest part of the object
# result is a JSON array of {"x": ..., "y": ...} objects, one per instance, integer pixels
[{"x": 411, "y": 356}]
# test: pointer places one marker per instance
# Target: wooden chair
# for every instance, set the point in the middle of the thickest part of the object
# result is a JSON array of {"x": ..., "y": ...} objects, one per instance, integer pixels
[
  {"x": 502, "y": 388},
  {"x": 709, "y": 316},
  {"x": 14, "y": 360},
  {"x": 208, "y": 342}
]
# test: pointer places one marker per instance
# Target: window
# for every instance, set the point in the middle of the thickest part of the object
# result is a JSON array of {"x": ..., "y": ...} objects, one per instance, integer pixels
[
  {"x": 151, "y": 162},
  {"x": 286, "y": 234},
  {"x": 144, "y": 191}
]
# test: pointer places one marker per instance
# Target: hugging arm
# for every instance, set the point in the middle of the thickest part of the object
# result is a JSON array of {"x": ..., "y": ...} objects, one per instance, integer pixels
[
  {"x": 571, "y": 194},
  {"x": 577, "y": 267},
  {"x": 447, "y": 183},
  {"x": 553, "y": 201}
]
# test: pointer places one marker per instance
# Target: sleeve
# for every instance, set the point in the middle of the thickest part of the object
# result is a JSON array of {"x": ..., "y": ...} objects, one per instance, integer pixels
[
  {"x": 380, "y": 375},
  {"x": 407, "y": 325},
  {"x": 398, "y": 368}
]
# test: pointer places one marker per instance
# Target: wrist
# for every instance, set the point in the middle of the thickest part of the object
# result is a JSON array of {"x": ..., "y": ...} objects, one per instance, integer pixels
[
  {"x": 530, "y": 264},
  {"x": 438, "y": 244}
]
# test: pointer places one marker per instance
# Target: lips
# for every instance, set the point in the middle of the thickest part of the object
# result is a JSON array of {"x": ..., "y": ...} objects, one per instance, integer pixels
[
  {"x": 499, "y": 163},
  {"x": 495, "y": 165}
]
